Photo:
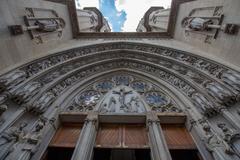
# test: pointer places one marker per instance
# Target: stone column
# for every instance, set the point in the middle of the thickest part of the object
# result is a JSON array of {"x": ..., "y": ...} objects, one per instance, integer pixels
[
  {"x": 159, "y": 148},
  {"x": 86, "y": 140}
]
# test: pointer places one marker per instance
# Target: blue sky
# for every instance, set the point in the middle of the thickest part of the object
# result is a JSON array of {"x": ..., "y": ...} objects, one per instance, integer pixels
[
  {"x": 115, "y": 18},
  {"x": 123, "y": 15}
]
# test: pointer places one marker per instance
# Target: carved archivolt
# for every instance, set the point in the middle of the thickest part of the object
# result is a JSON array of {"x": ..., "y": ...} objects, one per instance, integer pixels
[
  {"x": 209, "y": 85},
  {"x": 81, "y": 77}
]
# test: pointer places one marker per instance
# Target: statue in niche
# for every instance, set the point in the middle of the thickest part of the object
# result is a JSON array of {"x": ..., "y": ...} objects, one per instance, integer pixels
[
  {"x": 231, "y": 78},
  {"x": 122, "y": 94},
  {"x": 10, "y": 137},
  {"x": 48, "y": 25},
  {"x": 217, "y": 91},
  {"x": 29, "y": 91},
  {"x": 208, "y": 25},
  {"x": 204, "y": 104},
  {"x": 230, "y": 135},
  {"x": 44, "y": 102},
  {"x": 13, "y": 78},
  {"x": 197, "y": 23},
  {"x": 31, "y": 143},
  {"x": 216, "y": 145}
]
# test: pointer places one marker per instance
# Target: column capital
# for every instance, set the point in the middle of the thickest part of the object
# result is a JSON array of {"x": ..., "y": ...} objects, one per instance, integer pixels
[
  {"x": 151, "y": 117},
  {"x": 93, "y": 118}
]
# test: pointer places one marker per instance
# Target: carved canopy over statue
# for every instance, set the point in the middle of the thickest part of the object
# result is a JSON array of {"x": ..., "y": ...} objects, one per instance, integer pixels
[
  {"x": 154, "y": 20},
  {"x": 91, "y": 20}
]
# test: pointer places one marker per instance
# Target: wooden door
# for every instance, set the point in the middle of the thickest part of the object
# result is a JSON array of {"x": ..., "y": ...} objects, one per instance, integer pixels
[
  {"x": 177, "y": 137},
  {"x": 122, "y": 136},
  {"x": 66, "y": 136}
]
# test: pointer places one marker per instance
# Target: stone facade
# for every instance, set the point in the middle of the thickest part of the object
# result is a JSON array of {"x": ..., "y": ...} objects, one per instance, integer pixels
[{"x": 121, "y": 76}]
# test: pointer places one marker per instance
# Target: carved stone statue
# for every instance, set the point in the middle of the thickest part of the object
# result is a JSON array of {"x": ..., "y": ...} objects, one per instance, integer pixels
[
  {"x": 231, "y": 78},
  {"x": 3, "y": 98},
  {"x": 110, "y": 106},
  {"x": 122, "y": 94},
  {"x": 197, "y": 24},
  {"x": 204, "y": 104},
  {"x": 218, "y": 91},
  {"x": 48, "y": 25},
  {"x": 230, "y": 135},
  {"x": 44, "y": 102},
  {"x": 214, "y": 144},
  {"x": 9, "y": 138},
  {"x": 28, "y": 91},
  {"x": 29, "y": 146},
  {"x": 33, "y": 140},
  {"x": 134, "y": 106},
  {"x": 13, "y": 78}
]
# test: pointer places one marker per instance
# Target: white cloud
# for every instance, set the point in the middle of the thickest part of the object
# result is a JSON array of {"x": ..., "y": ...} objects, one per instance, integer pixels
[
  {"x": 88, "y": 3},
  {"x": 136, "y": 9}
]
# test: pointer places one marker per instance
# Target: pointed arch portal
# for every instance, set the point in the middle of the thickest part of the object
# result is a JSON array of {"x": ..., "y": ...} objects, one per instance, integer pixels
[{"x": 122, "y": 83}]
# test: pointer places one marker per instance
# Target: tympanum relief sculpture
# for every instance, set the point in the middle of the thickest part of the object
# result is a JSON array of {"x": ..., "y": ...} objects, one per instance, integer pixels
[
  {"x": 122, "y": 99},
  {"x": 123, "y": 94}
]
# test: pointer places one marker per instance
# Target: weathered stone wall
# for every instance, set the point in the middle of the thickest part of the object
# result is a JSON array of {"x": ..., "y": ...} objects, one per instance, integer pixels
[
  {"x": 20, "y": 48},
  {"x": 225, "y": 47}
]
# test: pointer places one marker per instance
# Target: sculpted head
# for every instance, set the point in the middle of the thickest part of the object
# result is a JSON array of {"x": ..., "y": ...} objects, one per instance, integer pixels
[{"x": 22, "y": 125}]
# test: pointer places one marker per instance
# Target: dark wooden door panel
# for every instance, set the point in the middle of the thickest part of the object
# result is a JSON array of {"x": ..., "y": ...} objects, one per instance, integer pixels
[
  {"x": 109, "y": 136},
  {"x": 122, "y": 136},
  {"x": 178, "y": 137},
  {"x": 66, "y": 136},
  {"x": 135, "y": 136}
]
